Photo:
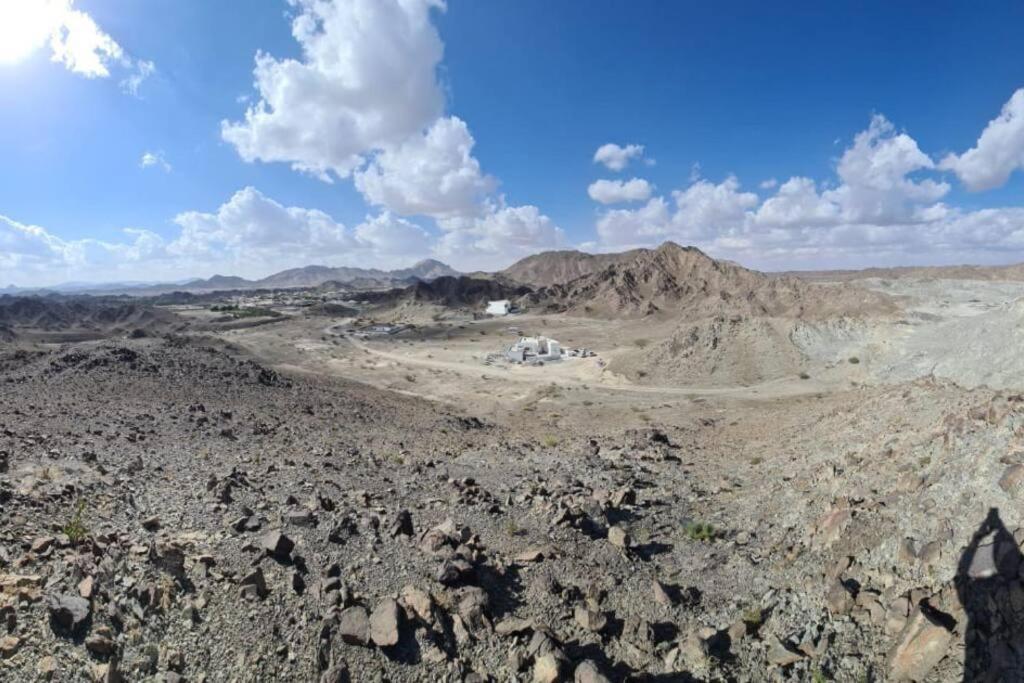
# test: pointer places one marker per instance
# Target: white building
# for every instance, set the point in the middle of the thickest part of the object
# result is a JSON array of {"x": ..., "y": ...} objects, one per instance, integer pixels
[
  {"x": 533, "y": 350},
  {"x": 499, "y": 307}
]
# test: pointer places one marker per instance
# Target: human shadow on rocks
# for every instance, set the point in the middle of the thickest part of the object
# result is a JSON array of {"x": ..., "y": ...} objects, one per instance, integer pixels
[
  {"x": 989, "y": 586},
  {"x": 504, "y": 589}
]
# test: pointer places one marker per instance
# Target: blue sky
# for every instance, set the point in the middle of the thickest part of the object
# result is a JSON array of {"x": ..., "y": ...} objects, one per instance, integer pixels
[{"x": 784, "y": 136}]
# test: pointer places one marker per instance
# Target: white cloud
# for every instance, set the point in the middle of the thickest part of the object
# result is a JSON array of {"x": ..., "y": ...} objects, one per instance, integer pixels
[
  {"x": 151, "y": 159},
  {"x": 874, "y": 171},
  {"x": 615, "y": 191},
  {"x": 616, "y": 158},
  {"x": 34, "y": 255},
  {"x": 769, "y": 184},
  {"x": 882, "y": 209},
  {"x": 629, "y": 227},
  {"x": 998, "y": 152},
  {"x": 433, "y": 174},
  {"x": 79, "y": 44},
  {"x": 366, "y": 81},
  {"x": 797, "y": 202},
  {"x": 705, "y": 208},
  {"x": 75, "y": 40},
  {"x": 501, "y": 236},
  {"x": 251, "y": 228},
  {"x": 140, "y": 71},
  {"x": 389, "y": 234}
]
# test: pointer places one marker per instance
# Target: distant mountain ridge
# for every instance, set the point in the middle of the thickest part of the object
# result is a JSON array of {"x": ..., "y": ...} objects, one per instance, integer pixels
[{"x": 306, "y": 276}]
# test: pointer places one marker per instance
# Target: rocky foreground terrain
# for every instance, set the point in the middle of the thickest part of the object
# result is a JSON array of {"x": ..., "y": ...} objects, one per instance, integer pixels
[{"x": 173, "y": 511}]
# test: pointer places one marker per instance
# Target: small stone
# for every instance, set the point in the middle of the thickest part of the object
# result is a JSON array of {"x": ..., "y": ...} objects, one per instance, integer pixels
[
  {"x": 336, "y": 673},
  {"x": 512, "y": 626},
  {"x": 300, "y": 517},
  {"x": 99, "y": 645},
  {"x": 384, "y": 624},
  {"x": 86, "y": 586},
  {"x": 354, "y": 626},
  {"x": 46, "y": 667},
  {"x": 919, "y": 647},
  {"x": 41, "y": 545},
  {"x": 531, "y": 555},
  {"x": 618, "y": 537},
  {"x": 471, "y": 608},
  {"x": 402, "y": 525},
  {"x": 454, "y": 572},
  {"x": 151, "y": 523},
  {"x": 1012, "y": 478},
  {"x": 587, "y": 672},
  {"x": 548, "y": 669},
  {"x": 838, "y": 598},
  {"x": 661, "y": 594},
  {"x": 254, "y": 585},
  {"x": 8, "y": 646},
  {"x": 68, "y": 612},
  {"x": 624, "y": 496},
  {"x": 419, "y": 602},
  {"x": 591, "y": 620},
  {"x": 781, "y": 654},
  {"x": 277, "y": 545}
]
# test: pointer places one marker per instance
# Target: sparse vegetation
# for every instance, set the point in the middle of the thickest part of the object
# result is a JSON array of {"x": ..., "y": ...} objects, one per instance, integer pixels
[
  {"x": 642, "y": 343},
  {"x": 854, "y": 360},
  {"x": 701, "y": 531},
  {"x": 804, "y": 375},
  {"x": 550, "y": 441},
  {"x": 75, "y": 528},
  {"x": 752, "y": 618}
]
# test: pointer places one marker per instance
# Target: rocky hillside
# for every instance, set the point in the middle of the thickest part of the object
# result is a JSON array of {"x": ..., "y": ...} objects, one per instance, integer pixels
[
  {"x": 559, "y": 267},
  {"x": 685, "y": 281},
  {"x": 57, "y": 314},
  {"x": 451, "y": 291}
]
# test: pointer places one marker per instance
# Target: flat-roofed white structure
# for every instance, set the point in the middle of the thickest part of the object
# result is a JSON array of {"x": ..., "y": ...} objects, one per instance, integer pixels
[
  {"x": 533, "y": 350},
  {"x": 499, "y": 307}
]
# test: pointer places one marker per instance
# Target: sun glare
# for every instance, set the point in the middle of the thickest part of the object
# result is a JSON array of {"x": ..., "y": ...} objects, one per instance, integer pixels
[{"x": 24, "y": 27}]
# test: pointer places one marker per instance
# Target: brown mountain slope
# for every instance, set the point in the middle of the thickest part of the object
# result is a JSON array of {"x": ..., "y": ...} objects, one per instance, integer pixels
[
  {"x": 683, "y": 280},
  {"x": 559, "y": 267}
]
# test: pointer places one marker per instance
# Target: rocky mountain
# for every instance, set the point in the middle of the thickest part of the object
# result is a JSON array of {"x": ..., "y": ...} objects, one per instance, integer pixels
[
  {"x": 559, "y": 267},
  {"x": 684, "y": 280},
  {"x": 453, "y": 291},
  {"x": 57, "y": 313},
  {"x": 314, "y": 276}
]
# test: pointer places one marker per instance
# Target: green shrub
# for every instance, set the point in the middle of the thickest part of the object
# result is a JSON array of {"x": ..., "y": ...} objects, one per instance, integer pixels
[
  {"x": 701, "y": 531},
  {"x": 75, "y": 528}
]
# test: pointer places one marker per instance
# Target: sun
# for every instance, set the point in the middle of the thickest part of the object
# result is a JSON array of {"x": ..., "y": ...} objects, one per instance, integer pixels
[{"x": 25, "y": 25}]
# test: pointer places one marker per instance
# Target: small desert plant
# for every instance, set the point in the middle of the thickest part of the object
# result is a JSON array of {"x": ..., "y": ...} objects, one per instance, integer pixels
[
  {"x": 818, "y": 676},
  {"x": 804, "y": 375},
  {"x": 854, "y": 360},
  {"x": 75, "y": 528},
  {"x": 752, "y": 618},
  {"x": 756, "y": 460},
  {"x": 642, "y": 343},
  {"x": 701, "y": 531},
  {"x": 549, "y": 440}
]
